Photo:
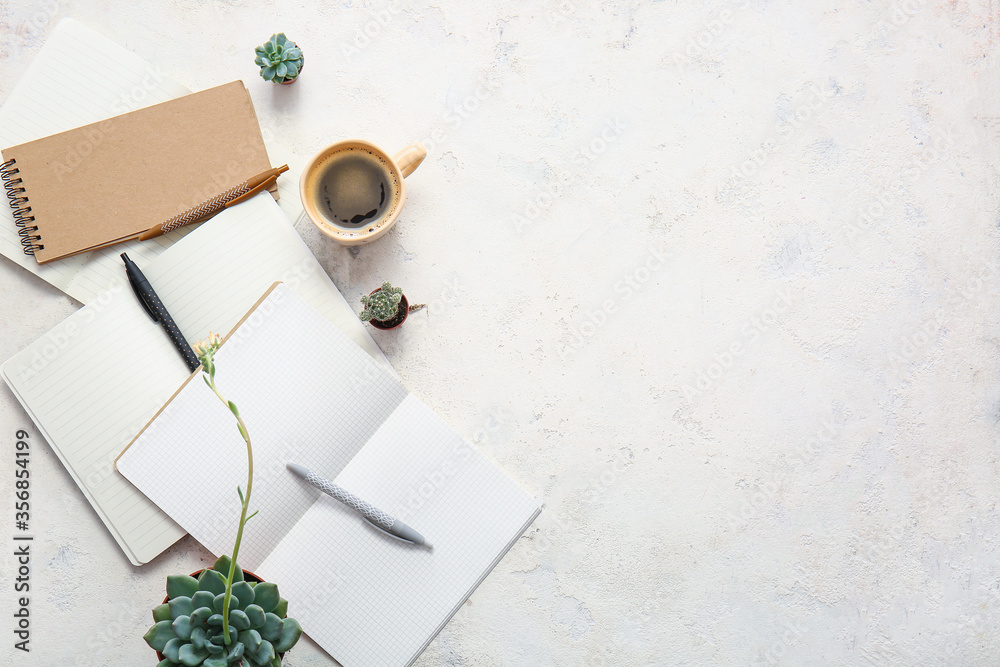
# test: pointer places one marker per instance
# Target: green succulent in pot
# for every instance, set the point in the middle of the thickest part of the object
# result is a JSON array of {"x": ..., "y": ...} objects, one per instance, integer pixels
[
  {"x": 220, "y": 619},
  {"x": 386, "y": 307},
  {"x": 280, "y": 59},
  {"x": 382, "y": 304},
  {"x": 188, "y": 627}
]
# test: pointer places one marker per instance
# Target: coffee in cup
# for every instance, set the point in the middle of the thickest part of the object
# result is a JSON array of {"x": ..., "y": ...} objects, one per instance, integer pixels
[{"x": 353, "y": 191}]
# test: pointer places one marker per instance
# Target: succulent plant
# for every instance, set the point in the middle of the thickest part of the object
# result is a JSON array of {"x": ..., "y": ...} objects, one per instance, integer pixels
[
  {"x": 280, "y": 59},
  {"x": 382, "y": 304},
  {"x": 219, "y": 619},
  {"x": 188, "y": 629}
]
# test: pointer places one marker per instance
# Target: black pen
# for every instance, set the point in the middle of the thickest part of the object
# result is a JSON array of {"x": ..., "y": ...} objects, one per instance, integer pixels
[{"x": 152, "y": 304}]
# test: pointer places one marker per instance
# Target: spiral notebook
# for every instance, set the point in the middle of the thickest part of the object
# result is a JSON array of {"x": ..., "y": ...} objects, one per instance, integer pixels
[
  {"x": 108, "y": 182},
  {"x": 309, "y": 395},
  {"x": 59, "y": 92}
]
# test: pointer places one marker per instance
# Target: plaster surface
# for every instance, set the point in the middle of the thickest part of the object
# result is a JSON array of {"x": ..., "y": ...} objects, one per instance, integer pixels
[{"x": 716, "y": 281}]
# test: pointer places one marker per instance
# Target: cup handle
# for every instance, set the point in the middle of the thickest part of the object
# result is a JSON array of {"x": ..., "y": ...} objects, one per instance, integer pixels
[{"x": 410, "y": 158}]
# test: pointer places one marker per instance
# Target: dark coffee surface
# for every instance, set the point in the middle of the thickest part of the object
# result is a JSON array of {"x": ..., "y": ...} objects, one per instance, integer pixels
[{"x": 356, "y": 188}]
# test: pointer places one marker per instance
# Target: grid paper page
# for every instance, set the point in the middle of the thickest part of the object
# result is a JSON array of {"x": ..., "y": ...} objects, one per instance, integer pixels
[
  {"x": 57, "y": 93},
  {"x": 368, "y": 599},
  {"x": 298, "y": 382},
  {"x": 97, "y": 378}
]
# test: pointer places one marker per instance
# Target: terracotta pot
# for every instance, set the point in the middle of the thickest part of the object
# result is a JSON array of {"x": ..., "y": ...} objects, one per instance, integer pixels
[
  {"x": 404, "y": 308},
  {"x": 288, "y": 83},
  {"x": 247, "y": 576}
]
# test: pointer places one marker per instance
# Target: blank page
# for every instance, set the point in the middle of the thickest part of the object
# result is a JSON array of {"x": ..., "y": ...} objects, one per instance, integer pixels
[
  {"x": 97, "y": 378},
  {"x": 309, "y": 396},
  {"x": 59, "y": 92}
]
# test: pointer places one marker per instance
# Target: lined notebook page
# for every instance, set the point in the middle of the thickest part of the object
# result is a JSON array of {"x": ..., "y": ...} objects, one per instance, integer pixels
[
  {"x": 94, "y": 381},
  {"x": 59, "y": 92},
  {"x": 89, "y": 385},
  {"x": 309, "y": 396}
]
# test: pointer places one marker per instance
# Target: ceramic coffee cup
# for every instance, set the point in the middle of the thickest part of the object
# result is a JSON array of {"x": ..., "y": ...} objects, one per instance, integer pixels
[{"x": 353, "y": 190}]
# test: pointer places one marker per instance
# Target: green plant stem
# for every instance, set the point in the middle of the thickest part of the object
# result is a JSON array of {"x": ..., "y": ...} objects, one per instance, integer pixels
[{"x": 243, "y": 516}]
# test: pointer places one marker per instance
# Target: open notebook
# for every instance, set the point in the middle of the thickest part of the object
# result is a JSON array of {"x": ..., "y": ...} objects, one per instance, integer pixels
[
  {"x": 308, "y": 395},
  {"x": 59, "y": 92},
  {"x": 93, "y": 381}
]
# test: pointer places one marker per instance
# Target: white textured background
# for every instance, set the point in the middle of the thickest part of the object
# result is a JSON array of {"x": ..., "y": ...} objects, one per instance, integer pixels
[{"x": 715, "y": 280}]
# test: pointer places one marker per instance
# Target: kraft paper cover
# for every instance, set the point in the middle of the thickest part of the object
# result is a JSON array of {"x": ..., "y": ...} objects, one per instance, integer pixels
[{"x": 111, "y": 180}]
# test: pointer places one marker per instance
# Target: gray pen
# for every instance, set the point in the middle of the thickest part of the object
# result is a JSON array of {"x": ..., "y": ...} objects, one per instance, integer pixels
[{"x": 371, "y": 514}]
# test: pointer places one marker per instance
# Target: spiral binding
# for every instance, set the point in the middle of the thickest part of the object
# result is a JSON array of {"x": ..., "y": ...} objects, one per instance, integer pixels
[{"x": 22, "y": 211}]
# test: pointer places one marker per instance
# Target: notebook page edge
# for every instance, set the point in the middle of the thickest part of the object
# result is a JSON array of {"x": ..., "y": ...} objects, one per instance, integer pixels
[
  {"x": 91, "y": 319},
  {"x": 193, "y": 375},
  {"x": 118, "y": 537},
  {"x": 489, "y": 569}
]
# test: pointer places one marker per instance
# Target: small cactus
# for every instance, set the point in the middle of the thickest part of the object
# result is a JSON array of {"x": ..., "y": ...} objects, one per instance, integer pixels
[
  {"x": 280, "y": 59},
  {"x": 188, "y": 629},
  {"x": 382, "y": 305}
]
